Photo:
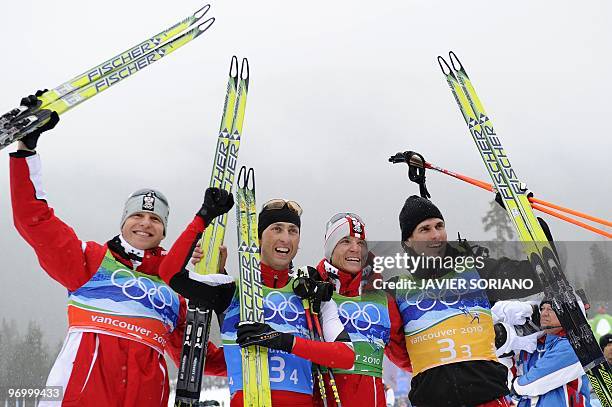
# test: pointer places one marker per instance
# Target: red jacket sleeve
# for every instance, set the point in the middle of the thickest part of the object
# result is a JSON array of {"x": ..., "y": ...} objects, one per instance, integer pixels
[
  {"x": 396, "y": 348},
  {"x": 174, "y": 262},
  {"x": 330, "y": 354},
  {"x": 215, "y": 361},
  {"x": 181, "y": 250},
  {"x": 60, "y": 252}
]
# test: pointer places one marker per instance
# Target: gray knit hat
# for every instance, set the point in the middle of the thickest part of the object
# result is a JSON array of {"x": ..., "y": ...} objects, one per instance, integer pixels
[{"x": 147, "y": 200}]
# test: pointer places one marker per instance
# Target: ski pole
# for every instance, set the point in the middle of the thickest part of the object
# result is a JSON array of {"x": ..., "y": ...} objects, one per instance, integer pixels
[
  {"x": 570, "y": 220},
  {"x": 304, "y": 290},
  {"x": 414, "y": 160},
  {"x": 332, "y": 379},
  {"x": 320, "y": 380},
  {"x": 535, "y": 202}
]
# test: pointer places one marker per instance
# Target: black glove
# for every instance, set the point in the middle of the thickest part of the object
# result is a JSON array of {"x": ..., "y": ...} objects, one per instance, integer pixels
[
  {"x": 32, "y": 101},
  {"x": 212, "y": 291},
  {"x": 311, "y": 286},
  {"x": 257, "y": 333},
  {"x": 216, "y": 202}
]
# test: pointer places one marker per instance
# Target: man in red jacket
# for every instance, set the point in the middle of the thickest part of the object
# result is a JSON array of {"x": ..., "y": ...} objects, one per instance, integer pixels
[
  {"x": 370, "y": 316},
  {"x": 122, "y": 316},
  {"x": 291, "y": 352}
]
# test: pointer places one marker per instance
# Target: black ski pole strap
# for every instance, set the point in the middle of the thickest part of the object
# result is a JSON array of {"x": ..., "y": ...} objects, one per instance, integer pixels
[
  {"x": 303, "y": 287},
  {"x": 417, "y": 174}
]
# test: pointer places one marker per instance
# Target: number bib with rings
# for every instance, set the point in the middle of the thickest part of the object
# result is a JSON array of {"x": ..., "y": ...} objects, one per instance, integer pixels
[
  {"x": 284, "y": 312},
  {"x": 446, "y": 324},
  {"x": 125, "y": 303},
  {"x": 366, "y": 320}
]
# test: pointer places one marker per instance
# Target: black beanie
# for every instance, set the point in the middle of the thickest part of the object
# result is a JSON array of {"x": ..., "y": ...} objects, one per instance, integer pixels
[
  {"x": 605, "y": 340},
  {"x": 270, "y": 216},
  {"x": 415, "y": 211}
]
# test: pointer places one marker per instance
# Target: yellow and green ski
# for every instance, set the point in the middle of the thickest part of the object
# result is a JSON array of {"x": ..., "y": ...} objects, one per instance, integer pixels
[
  {"x": 18, "y": 122},
  {"x": 197, "y": 329},
  {"x": 226, "y": 158},
  {"x": 255, "y": 373},
  {"x": 536, "y": 246}
]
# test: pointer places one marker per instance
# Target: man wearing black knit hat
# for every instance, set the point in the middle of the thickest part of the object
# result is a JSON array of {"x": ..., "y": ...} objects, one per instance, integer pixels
[
  {"x": 422, "y": 226},
  {"x": 606, "y": 346},
  {"x": 450, "y": 334}
]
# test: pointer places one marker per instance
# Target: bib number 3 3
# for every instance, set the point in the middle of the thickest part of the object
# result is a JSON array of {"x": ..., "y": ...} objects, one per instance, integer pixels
[{"x": 448, "y": 347}]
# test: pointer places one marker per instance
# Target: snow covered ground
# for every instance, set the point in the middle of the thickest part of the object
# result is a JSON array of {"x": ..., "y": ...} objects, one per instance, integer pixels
[{"x": 222, "y": 395}]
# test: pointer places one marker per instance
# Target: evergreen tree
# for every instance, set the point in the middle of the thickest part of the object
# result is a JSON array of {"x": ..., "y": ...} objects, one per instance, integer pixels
[
  {"x": 28, "y": 362},
  {"x": 599, "y": 285},
  {"x": 496, "y": 219},
  {"x": 9, "y": 336}
]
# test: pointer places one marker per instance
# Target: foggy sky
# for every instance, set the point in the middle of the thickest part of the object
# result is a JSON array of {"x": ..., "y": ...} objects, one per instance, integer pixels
[{"x": 336, "y": 87}]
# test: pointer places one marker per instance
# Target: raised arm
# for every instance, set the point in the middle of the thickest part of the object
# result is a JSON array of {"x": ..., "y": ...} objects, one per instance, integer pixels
[{"x": 60, "y": 252}]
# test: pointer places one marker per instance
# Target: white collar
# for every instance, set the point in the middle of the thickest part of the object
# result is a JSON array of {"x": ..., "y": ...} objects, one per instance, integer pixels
[
  {"x": 331, "y": 269},
  {"x": 138, "y": 254}
]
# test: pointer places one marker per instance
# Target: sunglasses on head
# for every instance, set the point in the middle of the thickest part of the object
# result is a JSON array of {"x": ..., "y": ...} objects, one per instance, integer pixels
[
  {"x": 281, "y": 203},
  {"x": 343, "y": 215}
]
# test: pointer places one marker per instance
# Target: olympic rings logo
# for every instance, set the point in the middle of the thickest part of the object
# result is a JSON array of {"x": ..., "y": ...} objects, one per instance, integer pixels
[
  {"x": 137, "y": 288},
  {"x": 361, "y": 318},
  {"x": 288, "y": 309},
  {"x": 433, "y": 297}
]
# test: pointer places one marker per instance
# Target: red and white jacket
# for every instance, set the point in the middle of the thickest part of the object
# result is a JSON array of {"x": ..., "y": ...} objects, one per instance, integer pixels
[
  {"x": 93, "y": 368},
  {"x": 363, "y": 390}
]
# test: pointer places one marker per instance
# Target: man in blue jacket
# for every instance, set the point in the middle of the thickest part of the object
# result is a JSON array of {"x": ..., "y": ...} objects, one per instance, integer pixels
[{"x": 552, "y": 374}]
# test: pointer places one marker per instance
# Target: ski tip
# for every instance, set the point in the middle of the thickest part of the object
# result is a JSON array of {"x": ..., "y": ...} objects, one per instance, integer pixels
[
  {"x": 250, "y": 181},
  {"x": 234, "y": 67},
  {"x": 446, "y": 69},
  {"x": 201, "y": 12},
  {"x": 455, "y": 61},
  {"x": 244, "y": 70},
  {"x": 242, "y": 175},
  {"x": 204, "y": 26}
]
